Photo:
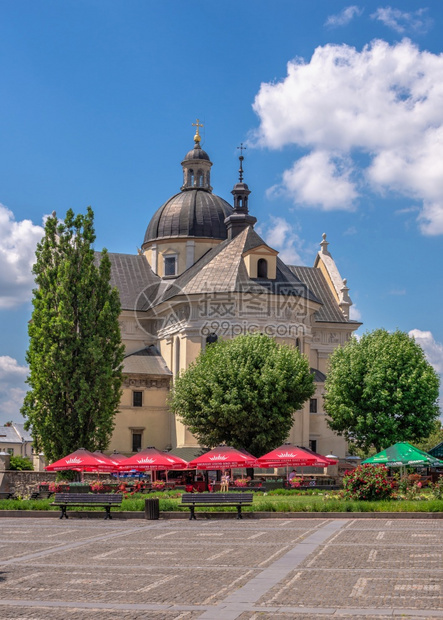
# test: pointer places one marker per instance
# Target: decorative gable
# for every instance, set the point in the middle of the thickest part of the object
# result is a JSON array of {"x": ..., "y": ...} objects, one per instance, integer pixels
[{"x": 261, "y": 262}]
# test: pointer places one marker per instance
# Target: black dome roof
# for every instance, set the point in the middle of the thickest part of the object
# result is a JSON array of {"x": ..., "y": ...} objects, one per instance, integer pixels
[
  {"x": 196, "y": 153},
  {"x": 191, "y": 213}
]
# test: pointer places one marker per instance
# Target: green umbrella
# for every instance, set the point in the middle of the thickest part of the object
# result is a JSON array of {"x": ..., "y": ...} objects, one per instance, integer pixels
[{"x": 401, "y": 454}]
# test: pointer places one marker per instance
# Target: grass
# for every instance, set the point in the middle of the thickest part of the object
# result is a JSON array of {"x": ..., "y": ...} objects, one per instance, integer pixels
[{"x": 288, "y": 501}]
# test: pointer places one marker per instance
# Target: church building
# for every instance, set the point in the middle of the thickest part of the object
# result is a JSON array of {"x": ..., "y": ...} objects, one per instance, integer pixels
[{"x": 204, "y": 273}]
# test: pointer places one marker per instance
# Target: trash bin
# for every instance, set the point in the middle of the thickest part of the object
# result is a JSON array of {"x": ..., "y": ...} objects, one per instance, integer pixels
[{"x": 152, "y": 508}]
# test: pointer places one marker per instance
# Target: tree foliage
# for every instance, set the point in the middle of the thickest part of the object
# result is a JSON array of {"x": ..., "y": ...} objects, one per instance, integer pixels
[
  {"x": 243, "y": 392},
  {"x": 434, "y": 438},
  {"x": 381, "y": 390},
  {"x": 75, "y": 349}
]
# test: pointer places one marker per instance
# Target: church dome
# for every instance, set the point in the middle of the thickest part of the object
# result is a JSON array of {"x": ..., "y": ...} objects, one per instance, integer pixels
[
  {"x": 195, "y": 211},
  {"x": 196, "y": 153},
  {"x": 190, "y": 213}
]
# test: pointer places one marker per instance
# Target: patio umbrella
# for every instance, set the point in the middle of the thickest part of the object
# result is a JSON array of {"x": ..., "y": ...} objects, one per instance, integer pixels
[
  {"x": 117, "y": 456},
  {"x": 113, "y": 463},
  {"x": 81, "y": 460},
  {"x": 223, "y": 457},
  {"x": 402, "y": 454},
  {"x": 152, "y": 459},
  {"x": 322, "y": 461},
  {"x": 288, "y": 455}
]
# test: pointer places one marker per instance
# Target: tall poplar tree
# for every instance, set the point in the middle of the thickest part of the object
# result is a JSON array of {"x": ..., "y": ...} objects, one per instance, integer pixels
[{"x": 75, "y": 353}]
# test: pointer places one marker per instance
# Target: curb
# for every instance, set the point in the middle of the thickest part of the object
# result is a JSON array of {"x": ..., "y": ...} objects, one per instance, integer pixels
[{"x": 55, "y": 514}]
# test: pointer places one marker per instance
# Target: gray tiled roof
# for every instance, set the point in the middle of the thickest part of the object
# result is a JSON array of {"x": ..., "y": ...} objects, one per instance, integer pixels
[
  {"x": 147, "y": 361},
  {"x": 14, "y": 434},
  {"x": 313, "y": 278},
  {"x": 222, "y": 269},
  {"x": 132, "y": 274}
]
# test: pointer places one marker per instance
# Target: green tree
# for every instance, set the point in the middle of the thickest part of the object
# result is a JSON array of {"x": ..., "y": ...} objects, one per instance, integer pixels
[
  {"x": 433, "y": 439},
  {"x": 380, "y": 390},
  {"x": 75, "y": 351},
  {"x": 243, "y": 392}
]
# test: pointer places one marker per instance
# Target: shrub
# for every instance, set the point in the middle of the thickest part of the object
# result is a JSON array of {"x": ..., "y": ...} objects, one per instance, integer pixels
[
  {"x": 20, "y": 463},
  {"x": 367, "y": 482}
]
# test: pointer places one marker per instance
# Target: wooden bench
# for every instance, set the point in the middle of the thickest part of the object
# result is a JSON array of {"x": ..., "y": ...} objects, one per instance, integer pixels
[
  {"x": 193, "y": 500},
  {"x": 87, "y": 499},
  {"x": 4, "y": 495}
]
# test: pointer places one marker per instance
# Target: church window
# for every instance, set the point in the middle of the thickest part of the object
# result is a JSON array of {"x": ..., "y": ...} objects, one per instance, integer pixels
[
  {"x": 262, "y": 268},
  {"x": 240, "y": 201},
  {"x": 191, "y": 177},
  {"x": 170, "y": 265},
  {"x": 313, "y": 405},
  {"x": 137, "y": 399},
  {"x": 313, "y": 445},
  {"x": 136, "y": 441},
  {"x": 200, "y": 178}
]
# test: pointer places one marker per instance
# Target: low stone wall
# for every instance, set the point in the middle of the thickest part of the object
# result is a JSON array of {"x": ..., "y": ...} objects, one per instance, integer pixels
[{"x": 23, "y": 483}]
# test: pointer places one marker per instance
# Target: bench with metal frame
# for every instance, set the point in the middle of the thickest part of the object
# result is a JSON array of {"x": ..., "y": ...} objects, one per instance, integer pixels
[
  {"x": 194, "y": 500},
  {"x": 100, "y": 500}
]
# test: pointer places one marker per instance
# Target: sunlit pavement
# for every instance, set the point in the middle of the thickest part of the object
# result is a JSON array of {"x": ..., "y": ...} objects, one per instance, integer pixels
[{"x": 221, "y": 569}]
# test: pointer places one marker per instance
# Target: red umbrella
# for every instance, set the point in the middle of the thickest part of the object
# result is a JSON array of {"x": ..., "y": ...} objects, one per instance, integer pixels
[
  {"x": 152, "y": 459},
  {"x": 222, "y": 457},
  {"x": 80, "y": 460},
  {"x": 322, "y": 461},
  {"x": 117, "y": 456},
  {"x": 113, "y": 463},
  {"x": 287, "y": 455}
]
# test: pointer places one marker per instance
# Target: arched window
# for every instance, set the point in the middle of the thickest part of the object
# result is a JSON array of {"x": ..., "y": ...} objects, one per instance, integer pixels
[
  {"x": 200, "y": 178},
  {"x": 262, "y": 268},
  {"x": 191, "y": 178},
  {"x": 240, "y": 201}
]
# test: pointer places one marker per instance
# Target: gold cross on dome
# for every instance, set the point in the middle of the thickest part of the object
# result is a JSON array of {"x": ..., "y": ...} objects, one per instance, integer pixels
[{"x": 197, "y": 133}]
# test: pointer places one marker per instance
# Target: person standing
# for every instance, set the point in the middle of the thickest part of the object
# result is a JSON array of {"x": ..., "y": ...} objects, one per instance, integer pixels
[{"x": 224, "y": 487}]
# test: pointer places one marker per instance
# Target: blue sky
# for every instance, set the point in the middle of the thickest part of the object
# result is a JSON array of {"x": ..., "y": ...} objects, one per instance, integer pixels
[{"x": 340, "y": 106}]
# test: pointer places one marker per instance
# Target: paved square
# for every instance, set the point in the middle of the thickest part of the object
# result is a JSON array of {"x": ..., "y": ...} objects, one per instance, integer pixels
[{"x": 221, "y": 569}]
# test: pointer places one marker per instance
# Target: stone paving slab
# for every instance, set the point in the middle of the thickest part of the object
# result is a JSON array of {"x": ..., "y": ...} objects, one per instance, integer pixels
[{"x": 221, "y": 570}]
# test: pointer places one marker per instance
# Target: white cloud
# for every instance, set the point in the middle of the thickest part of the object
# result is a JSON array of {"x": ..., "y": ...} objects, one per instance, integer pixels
[
  {"x": 385, "y": 102},
  {"x": 281, "y": 236},
  {"x": 344, "y": 17},
  {"x": 402, "y": 21},
  {"x": 12, "y": 389},
  {"x": 433, "y": 350},
  {"x": 18, "y": 241},
  {"x": 321, "y": 180},
  {"x": 354, "y": 313}
]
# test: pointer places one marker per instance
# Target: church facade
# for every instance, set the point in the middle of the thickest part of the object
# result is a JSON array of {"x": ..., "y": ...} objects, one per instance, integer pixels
[{"x": 204, "y": 273}]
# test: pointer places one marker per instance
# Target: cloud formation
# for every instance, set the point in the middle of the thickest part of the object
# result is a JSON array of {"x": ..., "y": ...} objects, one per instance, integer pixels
[
  {"x": 12, "y": 389},
  {"x": 384, "y": 103},
  {"x": 344, "y": 17},
  {"x": 402, "y": 21},
  {"x": 18, "y": 241},
  {"x": 433, "y": 350},
  {"x": 280, "y": 235}
]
